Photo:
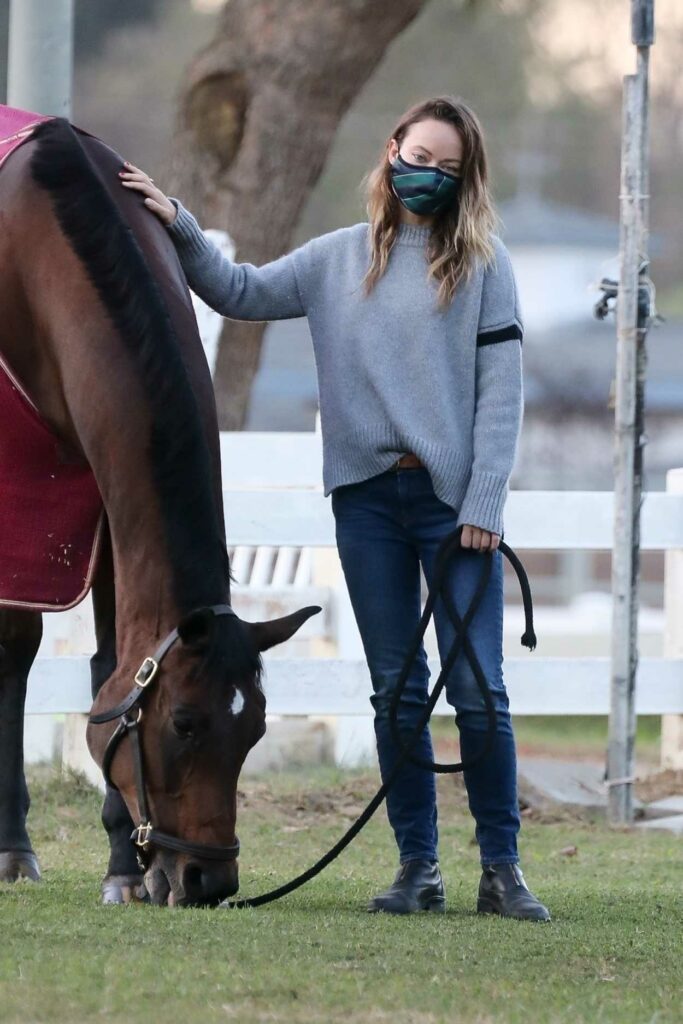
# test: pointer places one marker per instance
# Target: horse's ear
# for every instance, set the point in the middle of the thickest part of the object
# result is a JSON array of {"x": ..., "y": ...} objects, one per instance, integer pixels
[
  {"x": 196, "y": 627},
  {"x": 276, "y": 631}
]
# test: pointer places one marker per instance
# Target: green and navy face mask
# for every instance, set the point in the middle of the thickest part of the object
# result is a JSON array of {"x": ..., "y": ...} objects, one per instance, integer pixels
[{"x": 424, "y": 190}]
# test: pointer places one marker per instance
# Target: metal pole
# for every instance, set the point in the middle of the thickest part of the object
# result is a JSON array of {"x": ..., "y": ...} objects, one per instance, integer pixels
[
  {"x": 40, "y": 68},
  {"x": 632, "y": 322}
]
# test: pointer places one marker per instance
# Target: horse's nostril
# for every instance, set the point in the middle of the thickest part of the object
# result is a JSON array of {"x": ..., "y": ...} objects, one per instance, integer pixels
[
  {"x": 193, "y": 880},
  {"x": 210, "y": 883}
]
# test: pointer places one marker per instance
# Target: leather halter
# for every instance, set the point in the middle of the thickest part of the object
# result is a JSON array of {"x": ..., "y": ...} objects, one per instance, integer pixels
[{"x": 145, "y": 834}]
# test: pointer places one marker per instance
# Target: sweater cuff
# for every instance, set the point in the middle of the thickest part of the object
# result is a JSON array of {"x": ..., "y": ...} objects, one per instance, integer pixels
[
  {"x": 185, "y": 231},
  {"x": 483, "y": 503}
]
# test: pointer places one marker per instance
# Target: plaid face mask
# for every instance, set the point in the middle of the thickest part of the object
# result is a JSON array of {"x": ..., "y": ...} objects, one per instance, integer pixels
[{"x": 423, "y": 190}]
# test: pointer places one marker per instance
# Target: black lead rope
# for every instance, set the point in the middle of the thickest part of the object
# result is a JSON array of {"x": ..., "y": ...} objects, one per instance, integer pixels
[{"x": 445, "y": 553}]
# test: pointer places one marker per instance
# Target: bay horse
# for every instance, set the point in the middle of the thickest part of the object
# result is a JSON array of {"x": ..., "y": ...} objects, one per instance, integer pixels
[{"x": 97, "y": 324}]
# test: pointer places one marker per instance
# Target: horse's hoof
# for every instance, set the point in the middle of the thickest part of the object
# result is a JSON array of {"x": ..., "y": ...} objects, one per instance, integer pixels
[
  {"x": 16, "y": 864},
  {"x": 124, "y": 889}
]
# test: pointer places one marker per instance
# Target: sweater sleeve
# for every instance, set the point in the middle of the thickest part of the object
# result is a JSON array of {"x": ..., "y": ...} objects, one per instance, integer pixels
[
  {"x": 240, "y": 291},
  {"x": 499, "y": 396}
]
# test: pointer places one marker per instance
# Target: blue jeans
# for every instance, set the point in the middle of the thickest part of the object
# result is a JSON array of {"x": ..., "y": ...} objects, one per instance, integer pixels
[{"x": 386, "y": 527}]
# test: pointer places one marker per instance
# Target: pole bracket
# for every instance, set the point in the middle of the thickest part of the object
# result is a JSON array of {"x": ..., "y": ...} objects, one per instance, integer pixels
[{"x": 647, "y": 313}]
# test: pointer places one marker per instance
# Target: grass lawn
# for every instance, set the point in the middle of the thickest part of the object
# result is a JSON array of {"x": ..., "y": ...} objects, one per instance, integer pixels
[
  {"x": 572, "y": 737},
  {"x": 614, "y": 951}
]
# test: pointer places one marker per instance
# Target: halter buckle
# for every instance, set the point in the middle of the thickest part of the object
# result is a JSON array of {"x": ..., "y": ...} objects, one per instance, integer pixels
[
  {"x": 146, "y": 673},
  {"x": 142, "y": 833}
]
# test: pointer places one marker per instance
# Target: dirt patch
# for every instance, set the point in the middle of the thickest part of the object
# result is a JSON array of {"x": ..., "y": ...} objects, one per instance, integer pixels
[
  {"x": 556, "y": 816},
  {"x": 657, "y": 785},
  {"x": 303, "y": 805}
]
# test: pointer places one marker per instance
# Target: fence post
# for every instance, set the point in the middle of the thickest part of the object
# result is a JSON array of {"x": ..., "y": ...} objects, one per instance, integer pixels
[
  {"x": 354, "y": 735},
  {"x": 40, "y": 65},
  {"x": 73, "y": 632},
  {"x": 633, "y": 319},
  {"x": 672, "y": 725},
  {"x": 354, "y": 742}
]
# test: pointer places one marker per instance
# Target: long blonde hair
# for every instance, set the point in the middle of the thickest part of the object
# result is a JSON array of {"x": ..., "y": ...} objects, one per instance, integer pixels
[{"x": 460, "y": 234}]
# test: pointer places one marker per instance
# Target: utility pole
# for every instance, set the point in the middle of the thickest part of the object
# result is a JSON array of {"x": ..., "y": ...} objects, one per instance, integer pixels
[
  {"x": 40, "y": 66},
  {"x": 633, "y": 319}
]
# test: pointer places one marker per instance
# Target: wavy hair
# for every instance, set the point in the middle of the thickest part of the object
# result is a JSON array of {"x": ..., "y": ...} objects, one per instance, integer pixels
[{"x": 460, "y": 234}]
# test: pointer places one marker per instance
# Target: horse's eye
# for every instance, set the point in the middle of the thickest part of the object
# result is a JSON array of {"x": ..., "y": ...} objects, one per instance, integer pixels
[{"x": 184, "y": 726}]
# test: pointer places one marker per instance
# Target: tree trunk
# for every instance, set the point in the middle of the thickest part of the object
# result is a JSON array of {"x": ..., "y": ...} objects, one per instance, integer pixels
[{"x": 258, "y": 112}]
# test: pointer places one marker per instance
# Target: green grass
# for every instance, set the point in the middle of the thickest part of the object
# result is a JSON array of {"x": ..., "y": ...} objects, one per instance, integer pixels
[
  {"x": 612, "y": 952},
  {"x": 565, "y": 736},
  {"x": 581, "y": 735}
]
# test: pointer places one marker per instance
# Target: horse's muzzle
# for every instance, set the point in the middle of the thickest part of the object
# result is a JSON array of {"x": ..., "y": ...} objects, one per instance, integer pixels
[{"x": 179, "y": 881}]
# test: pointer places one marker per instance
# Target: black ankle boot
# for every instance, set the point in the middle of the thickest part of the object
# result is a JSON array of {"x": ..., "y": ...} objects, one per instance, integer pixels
[
  {"x": 502, "y": 890},
  {"x": 417, "y": 886}
]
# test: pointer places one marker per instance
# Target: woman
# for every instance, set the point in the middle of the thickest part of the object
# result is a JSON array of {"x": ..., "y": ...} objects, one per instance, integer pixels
[{"x": 417, "y": 332}]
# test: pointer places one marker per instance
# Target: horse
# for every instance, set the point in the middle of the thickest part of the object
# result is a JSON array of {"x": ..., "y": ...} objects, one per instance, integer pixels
[{"x": 97, "y": 323}]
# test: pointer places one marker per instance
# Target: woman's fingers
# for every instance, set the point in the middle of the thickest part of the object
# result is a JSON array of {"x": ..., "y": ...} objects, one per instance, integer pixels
[
  {"x": 140, "y": 179},
  {"x": 131, "y": 173},
  {"x": 478, "y": 539},
  {"x": 130, "y": 176},
  {"x": 143, "y": 185},
  {"x": 134, "y": 179}
]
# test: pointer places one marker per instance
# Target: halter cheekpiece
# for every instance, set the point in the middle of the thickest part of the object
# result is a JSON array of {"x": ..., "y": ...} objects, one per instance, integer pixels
[{"x": 145, "y": 834}]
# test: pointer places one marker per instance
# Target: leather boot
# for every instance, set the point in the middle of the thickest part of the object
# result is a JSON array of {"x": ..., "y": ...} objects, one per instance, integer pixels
[
  {"x": 502, "y": 890},
  {"x": 418, "y": 886}
]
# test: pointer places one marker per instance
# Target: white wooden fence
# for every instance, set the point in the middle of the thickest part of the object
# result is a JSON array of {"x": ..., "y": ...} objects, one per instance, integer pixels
[
  {"x": 281, "y": 535},
  {"x": 292, "y": 519}
]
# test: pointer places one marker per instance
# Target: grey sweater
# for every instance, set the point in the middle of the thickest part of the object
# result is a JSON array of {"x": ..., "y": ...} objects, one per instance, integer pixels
[{"x": 395, "y": 374}]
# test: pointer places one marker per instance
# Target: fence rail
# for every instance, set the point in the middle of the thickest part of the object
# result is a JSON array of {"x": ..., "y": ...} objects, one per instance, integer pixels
[
  {"x": 538, "y": 520},
  {"x": 333, "y": 686},
  {"x": 274, "y": 506}
]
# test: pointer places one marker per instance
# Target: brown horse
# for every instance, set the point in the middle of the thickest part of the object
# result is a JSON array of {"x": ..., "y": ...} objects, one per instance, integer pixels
[{"x": 97, "y": 323}]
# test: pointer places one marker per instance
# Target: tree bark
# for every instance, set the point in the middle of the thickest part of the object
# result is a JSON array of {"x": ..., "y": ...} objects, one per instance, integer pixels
[{"x": 258, "y": 112}]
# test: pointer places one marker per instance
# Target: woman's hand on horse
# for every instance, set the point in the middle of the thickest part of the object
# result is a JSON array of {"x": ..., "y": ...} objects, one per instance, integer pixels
[
  {"x": 155, "y": 200},
  {"x": 480, "y": 540}
]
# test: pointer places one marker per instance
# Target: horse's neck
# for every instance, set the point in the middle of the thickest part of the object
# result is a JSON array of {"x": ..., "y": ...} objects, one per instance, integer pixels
[
  {"x": 154, "y": 580},
  {"x": 145, "y": 586},
  {"x": 155, "y": 583},
  {"x": 117, "y": 395}
]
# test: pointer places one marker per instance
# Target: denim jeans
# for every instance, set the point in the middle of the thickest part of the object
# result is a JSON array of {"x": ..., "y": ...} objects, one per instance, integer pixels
[{"x": 386, "y": 527}]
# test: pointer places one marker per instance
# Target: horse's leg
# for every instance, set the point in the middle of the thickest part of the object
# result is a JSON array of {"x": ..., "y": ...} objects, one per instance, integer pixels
[
  {"x": 20, "y": 634},
  {"x": 123, "y": 881}
]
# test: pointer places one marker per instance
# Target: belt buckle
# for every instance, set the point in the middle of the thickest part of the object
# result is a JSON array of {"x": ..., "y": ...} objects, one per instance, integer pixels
[{"x": 409, "y": 465}]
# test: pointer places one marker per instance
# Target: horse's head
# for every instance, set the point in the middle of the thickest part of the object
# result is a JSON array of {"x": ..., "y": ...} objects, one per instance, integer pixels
[{"x": 175, "y": 752}]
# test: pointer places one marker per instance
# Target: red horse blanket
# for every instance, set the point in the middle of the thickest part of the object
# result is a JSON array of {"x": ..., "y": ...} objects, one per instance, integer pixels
[
  {"x": 51, "y": 513},
  {"x": 15, "y": 127}
]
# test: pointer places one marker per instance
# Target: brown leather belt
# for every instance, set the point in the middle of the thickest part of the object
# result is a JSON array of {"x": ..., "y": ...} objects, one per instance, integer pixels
[{"x": 407, "y": 461}]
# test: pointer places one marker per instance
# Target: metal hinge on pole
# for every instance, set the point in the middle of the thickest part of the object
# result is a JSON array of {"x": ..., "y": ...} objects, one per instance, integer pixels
[{"x": 634, "y": 304}]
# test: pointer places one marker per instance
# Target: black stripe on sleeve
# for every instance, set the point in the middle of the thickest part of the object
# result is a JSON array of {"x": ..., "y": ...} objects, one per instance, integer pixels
[{"x": 501, "y": 334}]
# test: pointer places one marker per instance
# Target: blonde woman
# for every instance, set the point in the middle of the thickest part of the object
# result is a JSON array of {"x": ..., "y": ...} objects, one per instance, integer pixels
[{"x": 417, "y": 332}]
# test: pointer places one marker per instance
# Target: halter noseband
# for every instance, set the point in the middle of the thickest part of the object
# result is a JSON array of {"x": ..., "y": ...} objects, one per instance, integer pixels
[{"x": 145, "y": 834}]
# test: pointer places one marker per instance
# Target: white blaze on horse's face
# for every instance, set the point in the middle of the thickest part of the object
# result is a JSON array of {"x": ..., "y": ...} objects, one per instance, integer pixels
[{"x": 237, "y": 703}]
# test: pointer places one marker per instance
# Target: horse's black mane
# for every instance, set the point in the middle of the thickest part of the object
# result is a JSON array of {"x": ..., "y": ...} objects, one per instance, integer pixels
[{"x": 116, "y": 266}]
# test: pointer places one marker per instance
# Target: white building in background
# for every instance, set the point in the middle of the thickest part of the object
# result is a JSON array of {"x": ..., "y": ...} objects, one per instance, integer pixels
[{"x": 559, "y": 253}]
